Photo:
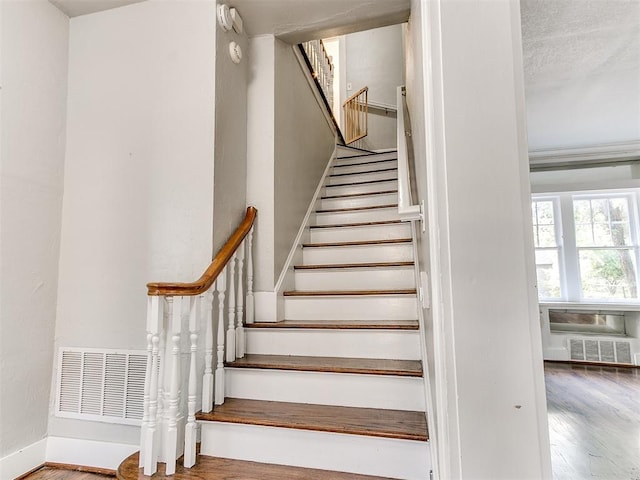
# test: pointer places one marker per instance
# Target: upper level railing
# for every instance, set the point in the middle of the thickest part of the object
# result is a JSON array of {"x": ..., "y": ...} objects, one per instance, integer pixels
[
  {"x": 406, "y": 207},
  {"x": 322, "y": 71},
  {"x": 356, "y": 111},
  {"x": 176, "y": 315}
]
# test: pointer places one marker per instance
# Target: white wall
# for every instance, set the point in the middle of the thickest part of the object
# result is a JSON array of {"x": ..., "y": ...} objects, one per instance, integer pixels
[
  {"x": 487, "y": 324},
  {"x": 304, "y": 143},
  {"x": 374, "y": 58},
  {"x": 138, "y": 175},
  {"x": 289, "y": 145},
  {"x": 230, "y": 136},
  {"x": 34, "y": 40}
]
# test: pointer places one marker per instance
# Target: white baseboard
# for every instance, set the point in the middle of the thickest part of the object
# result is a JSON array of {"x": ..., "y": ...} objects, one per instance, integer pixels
[
  {"x": 88, "y": 453},
  {"x": 24, "y": 460},
  {"x": 556, "y": 353}
]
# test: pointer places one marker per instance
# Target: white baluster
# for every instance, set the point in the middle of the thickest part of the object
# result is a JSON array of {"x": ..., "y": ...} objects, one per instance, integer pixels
[
  {"x": 231, "y": 328},
  {"x": 191, "y": 429},
  {"x": 221, "y": 286},
  {"x": 249, "y": 307},
  {"x": 149, "y": 447},
  {"x": 240, "y": 304},
  {"x": 172, "y": 449},
  {"x": 207, "y": 379}
]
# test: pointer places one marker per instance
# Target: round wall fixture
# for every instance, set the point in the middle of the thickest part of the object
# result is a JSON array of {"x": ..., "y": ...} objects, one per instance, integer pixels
[
  {"x": 224, "y": 17},
  {"x": 235, "y": 52}
]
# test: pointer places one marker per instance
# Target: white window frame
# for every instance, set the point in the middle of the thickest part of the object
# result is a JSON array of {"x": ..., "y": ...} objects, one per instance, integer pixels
[{"x": 568, "y": 251}]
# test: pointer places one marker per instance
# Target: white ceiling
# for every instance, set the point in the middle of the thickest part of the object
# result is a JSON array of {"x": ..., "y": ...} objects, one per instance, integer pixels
[{"x": 73, "y": 8}]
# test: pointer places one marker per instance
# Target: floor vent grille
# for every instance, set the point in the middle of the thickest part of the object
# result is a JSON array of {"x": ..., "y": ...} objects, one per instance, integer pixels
[
  {"x": 606, "y": 351},
  {"x": 102, "y": 385}
]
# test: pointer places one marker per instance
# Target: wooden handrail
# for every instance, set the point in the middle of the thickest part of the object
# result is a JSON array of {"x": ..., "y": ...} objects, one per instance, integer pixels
[{"x": 215, "y": 267}]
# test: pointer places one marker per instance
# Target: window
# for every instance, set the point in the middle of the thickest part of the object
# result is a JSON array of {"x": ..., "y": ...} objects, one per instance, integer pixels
[
  {"x": 586, "y": 246},
  {"x": 545, "y": 237}
]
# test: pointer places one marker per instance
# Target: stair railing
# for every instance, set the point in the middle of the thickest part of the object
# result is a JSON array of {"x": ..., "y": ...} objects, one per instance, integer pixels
[
  {"x": 176, "y": 314},
  {"x": 322, "y": 68},
  {"x": 356, "y": 112},
  {"x": 406, "y": 209}
]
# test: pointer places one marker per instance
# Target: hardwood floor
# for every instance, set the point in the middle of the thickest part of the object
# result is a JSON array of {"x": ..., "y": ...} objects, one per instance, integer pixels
[
  {"x": 594, "y": 421},
  {"x": 326, "y": 418},
  {"x": 212, "y": 468},
  {"x": 57, "y": 473}
]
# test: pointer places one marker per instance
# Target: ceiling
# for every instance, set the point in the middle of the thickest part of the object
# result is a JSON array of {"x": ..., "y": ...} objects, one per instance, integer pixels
[
  {"x": 581, "y": 57},
  {"x": 74, "y": 8}
]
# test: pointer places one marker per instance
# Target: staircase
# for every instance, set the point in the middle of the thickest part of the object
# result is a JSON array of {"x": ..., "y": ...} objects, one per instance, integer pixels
[{"x": 337, "y": 386}]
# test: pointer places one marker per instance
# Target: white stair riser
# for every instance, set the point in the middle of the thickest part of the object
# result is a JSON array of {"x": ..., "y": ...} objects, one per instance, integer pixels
[
  {"x": 388, "y": 344},
  {"x": 359, "y": 216},
  {"x": 350, "y": 158},
  {"x": 364, "y": 201},
  {"x": 365, "y": 167},
  {"x": 368, "y": 232},
  {"x": 377, "y": 456},
  {"x": 322, "y": 450},
  {"x": 363, "y": 177},
  {"x": 393, "y": 252},
  {"x": 383, "y": 307},
  {"x": 364, "y": 188},
  {"x": 324, "y": 388},
  {"x": 382, "y": 278}
]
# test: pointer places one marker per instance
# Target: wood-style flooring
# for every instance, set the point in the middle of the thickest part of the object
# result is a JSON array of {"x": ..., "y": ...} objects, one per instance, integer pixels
[
  {"x": 594, "y": 421},
  {"x": 325, "y": 418},
  {"x": 54, "y": 472},
  {"x": 212, "y": 468}
]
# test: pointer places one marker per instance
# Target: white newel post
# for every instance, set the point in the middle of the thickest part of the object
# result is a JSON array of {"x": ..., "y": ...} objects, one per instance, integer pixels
[
  {"x": 240, "y": 304},
  {"x": 149, "y": 438},
  {"x": 191, "y": 429},
  {"x": 172, "y": 446},
  {"x": 221, "y": 286},
  {"x": 207, "y": 379},
  {"x": 231, "y": 331},
  {"x": 249, "y": 310}
]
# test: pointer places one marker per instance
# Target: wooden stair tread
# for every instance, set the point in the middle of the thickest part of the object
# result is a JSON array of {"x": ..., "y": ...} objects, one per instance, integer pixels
[
  {"x": 361, "y": 242},
  {"x": 354, "y": 265},
  {"x": 371, "y": 422},
  {"x": 215, "y": 468},
  {"x": 361, "y": 163},
  {"x": 393, "y": 169},
  {"x": 362, "y": 183},
  {"x": 356, "y": 209},
  {"x": 359, "y": 224},
  {"x": 367, "y": 366},
  {"x": 340, "y": 324},
  {"x": 340, "y": 293},
  {"x": 366, "y": 194}
]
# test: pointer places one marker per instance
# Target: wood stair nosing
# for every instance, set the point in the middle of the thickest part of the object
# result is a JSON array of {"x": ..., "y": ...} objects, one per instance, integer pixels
[
  {"x": 356, "y": 209},
  {"x": 357, "y": 243},
  {"x": 348, "y": 293},
  {"x": 359, "y": 224},
  {"x": 338, "y": 324},
  {"x": 371, "y": 422},
  {"x": 363, "y": 366},
  {"x": 367, "y": 172},
  {"x": 361, "y": 163},
  {"x": 368, "y": 182},
  {"x": 366, "y": 194},
  {"x": 354, "y": 265}
]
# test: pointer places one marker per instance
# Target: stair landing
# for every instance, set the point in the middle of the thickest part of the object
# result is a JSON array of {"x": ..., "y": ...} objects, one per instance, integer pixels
[{"x": 214, "y": 468}]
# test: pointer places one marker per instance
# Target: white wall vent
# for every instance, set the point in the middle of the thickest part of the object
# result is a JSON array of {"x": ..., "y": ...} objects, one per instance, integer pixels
[
  {"x": 102, "y": 385},
  {"x": 609, "y": 351}
]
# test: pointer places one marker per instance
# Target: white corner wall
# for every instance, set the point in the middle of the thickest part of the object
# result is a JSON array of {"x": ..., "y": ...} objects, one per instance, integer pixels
[
  {"x": 138, "y": 176},
  {"x": 34, "y": 42},
  {"x": 375, "y": 59},
  {"x": 490, "y": 364}
]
